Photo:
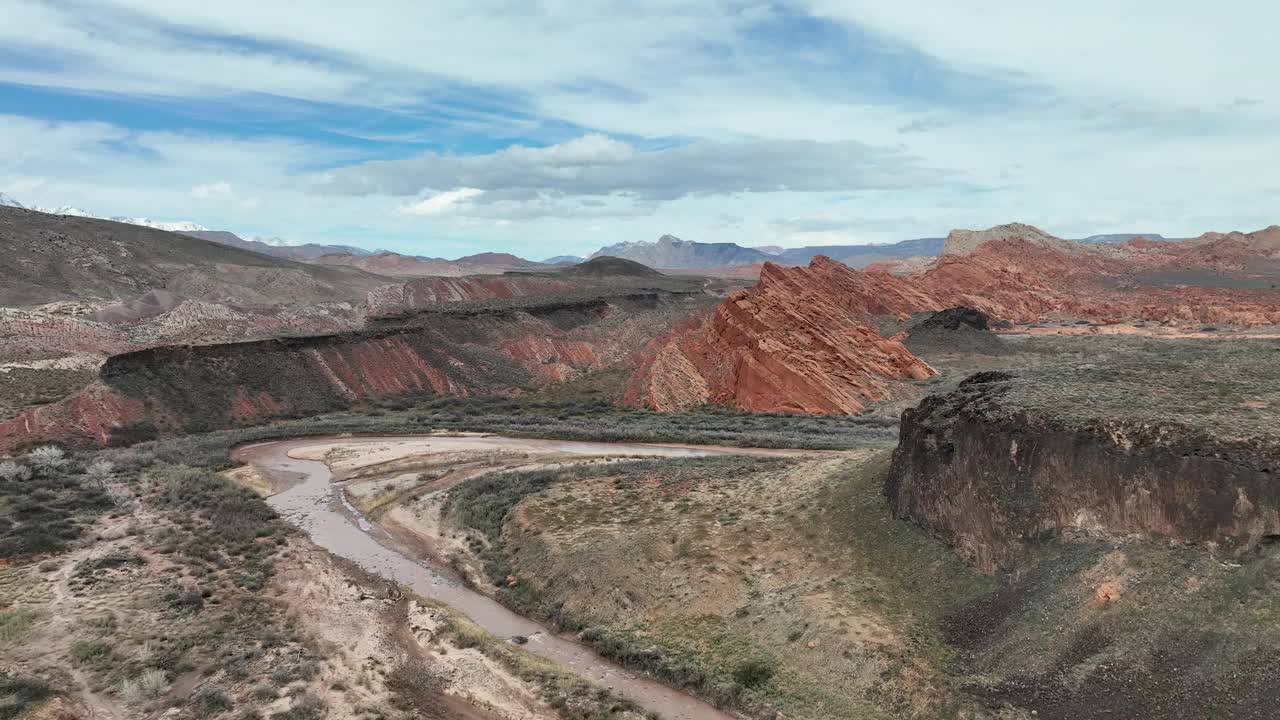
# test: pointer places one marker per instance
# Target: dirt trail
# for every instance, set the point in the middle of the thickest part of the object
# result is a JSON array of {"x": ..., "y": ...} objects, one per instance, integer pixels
[
  {"x": 319, "y": 508},
  {"x": 97, "y": 707}
]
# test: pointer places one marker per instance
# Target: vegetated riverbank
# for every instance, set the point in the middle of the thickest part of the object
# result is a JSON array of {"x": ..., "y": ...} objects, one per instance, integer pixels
[
  {"x": 789, "y": 585},
  {"x": 131, "y": 584},
  {"x": 311, "y": 504},
  {"x": 714, "y": 574}
]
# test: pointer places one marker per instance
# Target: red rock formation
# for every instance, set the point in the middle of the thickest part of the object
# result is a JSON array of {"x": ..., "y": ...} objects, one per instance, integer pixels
[
  {"x": 204, "y": 387},
  {"x": 802, "y": 340},
  {"x": 92, "y": 413},
  {"x": 791, "y": 344}
]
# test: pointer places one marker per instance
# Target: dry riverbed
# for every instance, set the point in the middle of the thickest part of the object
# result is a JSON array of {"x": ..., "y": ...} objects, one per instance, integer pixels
[{"x": 734, "y": 567}]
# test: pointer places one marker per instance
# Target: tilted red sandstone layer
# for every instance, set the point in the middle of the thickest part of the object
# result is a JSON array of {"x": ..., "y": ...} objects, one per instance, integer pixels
[
  {"x": 802, "y": 340},
  {"x": 790, "y": 344}
]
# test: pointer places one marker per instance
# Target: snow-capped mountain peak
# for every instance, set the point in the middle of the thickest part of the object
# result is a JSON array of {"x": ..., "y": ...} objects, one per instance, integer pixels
[
  {"x": 272, "y": 241},
  {"x": 180, "y": 226},
  {"x": 71, "y": 211}
]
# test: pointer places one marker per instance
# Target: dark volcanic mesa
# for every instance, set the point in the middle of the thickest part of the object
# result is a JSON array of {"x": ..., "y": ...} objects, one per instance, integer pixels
[
  {"x": 460, "y": 349},
  {"x": 987, "y": 470}
]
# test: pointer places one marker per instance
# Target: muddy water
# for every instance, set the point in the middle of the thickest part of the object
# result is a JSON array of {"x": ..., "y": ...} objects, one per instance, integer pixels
[{"x": 316, "y": 505}]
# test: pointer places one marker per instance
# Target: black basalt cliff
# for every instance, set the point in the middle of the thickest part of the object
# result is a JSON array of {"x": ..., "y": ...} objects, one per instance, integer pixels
[{"x": 987, "y": 474}]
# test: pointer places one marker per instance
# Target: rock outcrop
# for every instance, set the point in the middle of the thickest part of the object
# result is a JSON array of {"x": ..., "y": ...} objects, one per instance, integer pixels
[
  {"x": 791, "y": 344},
  {"x": 427, "y": 291},
  {"x": 803, "y": 339},
  {"x": 954, "y": 330},
  {"x": 449, "y": 350},
  {"x": 987, "y": 471}
]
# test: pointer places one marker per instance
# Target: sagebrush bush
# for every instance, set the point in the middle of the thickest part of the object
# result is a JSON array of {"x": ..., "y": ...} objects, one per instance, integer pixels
[
  {"x": 100, "y": 471},
  {"x": 11, "y": 471},
  {"x": 47, "y": 458}
]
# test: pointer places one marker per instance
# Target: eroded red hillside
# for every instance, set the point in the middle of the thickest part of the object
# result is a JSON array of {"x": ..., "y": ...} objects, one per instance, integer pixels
[
  {"x": 803, "y": 339},
  {"x": 191, "y": 388},
  {"x": 790, "y": 344}
]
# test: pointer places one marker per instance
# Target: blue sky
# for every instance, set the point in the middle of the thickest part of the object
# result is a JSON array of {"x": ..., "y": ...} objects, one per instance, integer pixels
[{"x": 546, "y": 128}]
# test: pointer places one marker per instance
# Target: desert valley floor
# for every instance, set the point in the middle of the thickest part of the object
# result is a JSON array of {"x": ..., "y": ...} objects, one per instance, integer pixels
[{"x": 1014, "y": 477}]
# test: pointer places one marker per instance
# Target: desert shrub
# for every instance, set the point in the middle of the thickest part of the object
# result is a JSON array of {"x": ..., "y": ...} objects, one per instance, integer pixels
[
  {"x": 304, "y": 707},
  {"x": 754, "y": 672},
  {"x": 17, "y": 695},
  {"x": 150, "y": 684},
  {"x": 100, "y": 471},
  {"x": 184, "y": 600},
  {"x": 208, "y": 702},
  {"x": 11, "y": 471},
  {"x": 91, "y": 570},
  {"x": 94, "y": 653},
  {"x": 44, "y": 512},
  {"x": 16, "y": 624},
  {"x": 293, "y": 668},
  {"x": 230, "y": 526},
  {"x": 47, "y": 458}
]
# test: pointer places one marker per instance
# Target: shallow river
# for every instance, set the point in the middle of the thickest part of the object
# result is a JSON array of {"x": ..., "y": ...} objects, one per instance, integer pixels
[{"x": 315, "y": 505}]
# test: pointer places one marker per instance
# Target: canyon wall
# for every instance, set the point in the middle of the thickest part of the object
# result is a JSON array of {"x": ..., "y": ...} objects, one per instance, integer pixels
[
  {"x": 454, "y": 351},
  {"x": 988, "y": 475}
]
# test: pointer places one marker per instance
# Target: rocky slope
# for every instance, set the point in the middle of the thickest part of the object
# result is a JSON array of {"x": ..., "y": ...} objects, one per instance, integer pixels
[
  {"x": 455, "y": 349},
  {"x": 790, "y": 344},
  {"x": 275, "y": 247},
  {"x": 392, "y": 264},
  {"x": 1141, "y": 443},
  {"x": 804, "y": 338},
  {"x": 423, "y": 292},
  {"x": 52, "y": 258}
]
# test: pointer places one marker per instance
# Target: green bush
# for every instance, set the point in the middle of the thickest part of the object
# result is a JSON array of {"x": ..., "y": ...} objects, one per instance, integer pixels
[
  {"x": 17, "y": 695},
  {"x": 754, "y": 672}
]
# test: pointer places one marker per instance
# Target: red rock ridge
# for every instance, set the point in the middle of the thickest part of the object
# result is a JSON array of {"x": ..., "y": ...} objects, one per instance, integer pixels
[
  {"x": 790, "y": 344},
  {"x": 801, "y": 340}
]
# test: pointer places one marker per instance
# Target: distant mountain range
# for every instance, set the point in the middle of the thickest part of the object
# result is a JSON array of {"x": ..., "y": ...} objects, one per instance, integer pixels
[
  {"x": 671, "y": 252},
  {"x": 276, "y": 247},
  {"x": 1119, "y": 238},
  {"x": 668, "y": 251},
  {"x": 69, "y": 211}
]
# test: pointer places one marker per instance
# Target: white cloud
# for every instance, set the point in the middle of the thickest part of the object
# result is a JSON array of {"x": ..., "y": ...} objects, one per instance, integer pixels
[
  {"x": 1148, "y": 116},
  {"x": 224, "y": 192},
  {"x": 1177, "y": 53},
  {"x": 441, "y": 203},
  {"x": 594, "y": 165},
  {"x": 213, "y": 191}
]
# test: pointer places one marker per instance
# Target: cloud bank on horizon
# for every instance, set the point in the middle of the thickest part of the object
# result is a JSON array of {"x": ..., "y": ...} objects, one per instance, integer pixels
[{"x": 547, "y": 128}]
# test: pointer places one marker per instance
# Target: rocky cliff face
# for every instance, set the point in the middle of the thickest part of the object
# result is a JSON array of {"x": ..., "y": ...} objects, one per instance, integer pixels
[
  {"x": 803, "y": 340},
  {"x": 987, "y": 473},
  {"x": 461, "y": 351},
  {"x": 791, "y": 344}
]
